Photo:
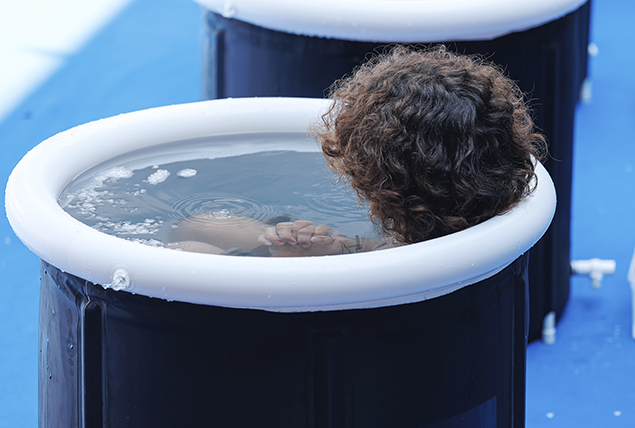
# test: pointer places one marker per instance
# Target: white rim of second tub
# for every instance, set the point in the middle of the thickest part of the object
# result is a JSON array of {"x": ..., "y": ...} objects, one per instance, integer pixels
[
  {"x": 414, "y": 21},
  {"x": 382, "y": 278}
]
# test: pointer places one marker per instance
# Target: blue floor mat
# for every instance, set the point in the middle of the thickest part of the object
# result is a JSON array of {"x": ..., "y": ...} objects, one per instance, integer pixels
[{"x": 149, "y": 55}]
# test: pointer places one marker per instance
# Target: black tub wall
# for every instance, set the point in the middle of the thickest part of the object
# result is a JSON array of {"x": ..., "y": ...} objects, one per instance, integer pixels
[{"x": 114, "y": 359}]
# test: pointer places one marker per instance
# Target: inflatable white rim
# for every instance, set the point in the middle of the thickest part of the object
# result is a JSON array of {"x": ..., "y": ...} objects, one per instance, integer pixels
[
  {"x": 395, "y": 20},
  {"x": 400, "y": 275}
]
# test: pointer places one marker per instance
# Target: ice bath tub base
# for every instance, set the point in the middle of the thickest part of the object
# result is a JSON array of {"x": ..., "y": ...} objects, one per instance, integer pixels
[{"x": 428, "y": 335}]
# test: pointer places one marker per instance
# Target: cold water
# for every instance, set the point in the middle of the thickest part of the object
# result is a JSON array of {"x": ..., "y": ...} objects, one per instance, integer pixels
[{"x": 144, "y": 203}]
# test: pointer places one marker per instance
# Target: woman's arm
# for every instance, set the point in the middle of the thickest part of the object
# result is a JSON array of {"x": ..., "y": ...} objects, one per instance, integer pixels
[
  {"x": 207, "y": 234},
  {"x": 222, "y": 233}
]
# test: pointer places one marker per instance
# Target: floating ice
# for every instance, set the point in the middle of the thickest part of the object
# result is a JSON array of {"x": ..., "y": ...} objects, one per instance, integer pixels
[
  {"x": 137, "y": 192},
  {"x": 221, "y": 214},
  {"x": 86, "y": 200},
  {"x": 148, "y": 227},
  {"x": 186, "y": 173},
  {"x": 150, "y": 242},
  {"x": 159, "y": 176},
  {"x": 118, "y": 172}
]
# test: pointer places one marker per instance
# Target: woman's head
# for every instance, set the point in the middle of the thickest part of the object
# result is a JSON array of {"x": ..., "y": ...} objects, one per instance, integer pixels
[{"x": 435, "y": 142}]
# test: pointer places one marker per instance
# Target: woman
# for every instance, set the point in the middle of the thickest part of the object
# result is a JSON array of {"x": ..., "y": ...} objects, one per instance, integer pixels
[{"x": 434, "y": 142}]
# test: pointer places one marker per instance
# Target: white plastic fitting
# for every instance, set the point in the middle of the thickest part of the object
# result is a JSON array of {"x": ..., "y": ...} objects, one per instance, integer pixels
[
  {"x": 549, "y": 328},
  {"x": 595, "y": 268},
  {"x": 631, "y": 280}
]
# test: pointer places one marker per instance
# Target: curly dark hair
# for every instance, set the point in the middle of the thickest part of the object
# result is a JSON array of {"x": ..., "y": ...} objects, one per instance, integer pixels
[{"x": 433, "y": 141}]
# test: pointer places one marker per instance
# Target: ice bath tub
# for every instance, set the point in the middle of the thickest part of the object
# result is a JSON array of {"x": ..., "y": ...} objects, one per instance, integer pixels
[
  {"x": 428, "y": 335},
  {"x": 290, "y": 48}
]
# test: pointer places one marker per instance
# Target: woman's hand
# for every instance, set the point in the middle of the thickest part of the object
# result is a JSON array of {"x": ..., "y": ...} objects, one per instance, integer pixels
[{"x": 302, "y": 238}]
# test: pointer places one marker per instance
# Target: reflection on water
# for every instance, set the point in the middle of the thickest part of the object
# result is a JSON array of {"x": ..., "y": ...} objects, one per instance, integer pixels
[{"x": 144, "y": 203}]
